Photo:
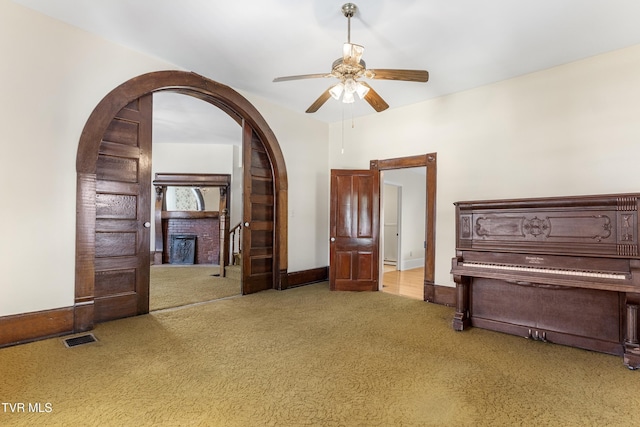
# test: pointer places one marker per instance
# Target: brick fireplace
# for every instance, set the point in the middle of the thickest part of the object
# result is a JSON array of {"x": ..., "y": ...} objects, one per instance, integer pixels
[{"x": 204, "y": 227}]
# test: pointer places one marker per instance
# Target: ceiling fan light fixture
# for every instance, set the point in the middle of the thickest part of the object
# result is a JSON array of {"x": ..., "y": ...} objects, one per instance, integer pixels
[
  {"x": 350, "y": 85},
  {"x": 361, "y": 90},
  {"x": 348, "y": 97},
  {"x": 336, "y": 91}
]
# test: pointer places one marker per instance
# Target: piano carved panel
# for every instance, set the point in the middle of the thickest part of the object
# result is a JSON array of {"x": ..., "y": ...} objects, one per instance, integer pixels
[
  {"x": 602, "y": 225},
  {"x": 561, "y": 270},
  {"x": 547, "y": 227}
]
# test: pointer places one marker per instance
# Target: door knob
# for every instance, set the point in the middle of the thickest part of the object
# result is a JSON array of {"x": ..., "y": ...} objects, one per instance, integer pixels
[
  {"x": 333, "y": 239},
  {"x": 147, "y": 224},
  {"x": 246, "y": 224}
]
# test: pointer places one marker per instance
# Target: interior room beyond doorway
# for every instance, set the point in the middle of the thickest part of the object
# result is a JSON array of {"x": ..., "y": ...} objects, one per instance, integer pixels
[
  {"x": 403, "y": 242},
  {"x": 193, "y": 137}
]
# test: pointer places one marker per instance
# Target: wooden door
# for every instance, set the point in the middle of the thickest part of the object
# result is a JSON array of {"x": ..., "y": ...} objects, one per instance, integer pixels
[
  {"x": 355, "y": 226},
  {"x": 123, "y": 200},
  {"x": 258, "y": 215}
]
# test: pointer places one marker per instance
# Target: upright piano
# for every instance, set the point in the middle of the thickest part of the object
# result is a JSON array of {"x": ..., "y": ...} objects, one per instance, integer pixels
[{"x": 564, "y": 270}]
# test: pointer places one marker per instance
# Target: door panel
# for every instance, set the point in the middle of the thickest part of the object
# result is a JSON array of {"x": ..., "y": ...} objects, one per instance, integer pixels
[
  {"x": 258, "y": 208},
  {"x": 122, "y": 207},
  {"x": 355, "y": 207}
]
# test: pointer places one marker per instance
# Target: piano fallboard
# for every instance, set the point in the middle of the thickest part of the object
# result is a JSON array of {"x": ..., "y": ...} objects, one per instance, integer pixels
[{"x": 584, "y": 272}]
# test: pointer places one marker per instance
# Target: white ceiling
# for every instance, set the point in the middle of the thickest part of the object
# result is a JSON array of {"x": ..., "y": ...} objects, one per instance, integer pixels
[
  {"x": 185, "y": 119},
  {"x": 462, "y": 43}
]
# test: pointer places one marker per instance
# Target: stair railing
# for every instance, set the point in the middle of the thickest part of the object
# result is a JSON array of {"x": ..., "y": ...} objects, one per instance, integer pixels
[{"x": 235, "y": 235}]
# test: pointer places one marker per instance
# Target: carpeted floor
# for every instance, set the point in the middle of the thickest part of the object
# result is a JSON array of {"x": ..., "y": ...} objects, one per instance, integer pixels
[
  {"x": 178, "y": 285},
  {"x": 311, "y": 357}
]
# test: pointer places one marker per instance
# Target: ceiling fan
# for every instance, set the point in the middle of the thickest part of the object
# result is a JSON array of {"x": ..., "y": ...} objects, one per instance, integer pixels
[{"x": 350, "y": 68}]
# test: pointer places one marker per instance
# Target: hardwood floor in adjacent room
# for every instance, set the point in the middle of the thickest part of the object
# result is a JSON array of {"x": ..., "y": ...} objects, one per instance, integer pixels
[{"x": 408, "y": 283}]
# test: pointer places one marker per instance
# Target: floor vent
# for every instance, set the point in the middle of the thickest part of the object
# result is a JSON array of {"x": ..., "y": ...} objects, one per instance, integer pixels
[{"x": 79, "y": 340}]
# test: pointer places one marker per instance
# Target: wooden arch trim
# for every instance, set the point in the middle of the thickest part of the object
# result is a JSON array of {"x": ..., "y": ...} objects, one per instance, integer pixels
[{"x": 223, "y": 97}]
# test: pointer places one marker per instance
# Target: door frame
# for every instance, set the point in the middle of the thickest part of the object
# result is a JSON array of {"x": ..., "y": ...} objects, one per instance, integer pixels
[
  {"x": 430, "y": 162},
  {"x": 221, "y": 96}
]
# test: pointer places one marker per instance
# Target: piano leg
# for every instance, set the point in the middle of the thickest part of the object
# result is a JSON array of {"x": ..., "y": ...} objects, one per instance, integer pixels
[
  {"x": 461, "y": 317},
  {"x": 631, "y": 345}
]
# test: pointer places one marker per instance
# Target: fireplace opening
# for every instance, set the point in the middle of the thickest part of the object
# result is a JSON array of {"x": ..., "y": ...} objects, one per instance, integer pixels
[{"x": 183, "y": 249}]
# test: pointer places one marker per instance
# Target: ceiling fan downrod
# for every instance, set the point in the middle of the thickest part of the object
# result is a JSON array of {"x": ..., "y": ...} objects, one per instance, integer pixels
[{"x": 348, "y": 10}]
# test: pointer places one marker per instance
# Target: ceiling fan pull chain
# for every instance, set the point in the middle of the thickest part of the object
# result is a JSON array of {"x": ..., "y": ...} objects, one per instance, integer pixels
[
  {"x": 353, "y": 120},
  {"x": 342, "y": 151}
]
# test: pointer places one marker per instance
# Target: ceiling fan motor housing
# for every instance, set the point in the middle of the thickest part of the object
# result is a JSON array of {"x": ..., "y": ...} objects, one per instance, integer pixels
[
  {"x": 341, "y": 69},
  {"x": 349, "y": 9}
]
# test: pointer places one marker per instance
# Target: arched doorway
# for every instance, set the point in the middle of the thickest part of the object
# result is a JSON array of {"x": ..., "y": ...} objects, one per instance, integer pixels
[{"x": 265, "y": 196}]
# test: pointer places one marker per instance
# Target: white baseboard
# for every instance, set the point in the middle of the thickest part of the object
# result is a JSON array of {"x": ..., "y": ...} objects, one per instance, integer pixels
[{"x": 408, "y": 264}]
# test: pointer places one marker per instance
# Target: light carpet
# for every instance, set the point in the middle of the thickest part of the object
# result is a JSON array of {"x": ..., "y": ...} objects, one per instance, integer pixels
[
  {"x": 311, "y": 357},
  {"x": 178, "y": 285}
]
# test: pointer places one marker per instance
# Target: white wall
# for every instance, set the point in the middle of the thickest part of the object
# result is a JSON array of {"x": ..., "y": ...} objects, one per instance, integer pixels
[
  {"x": 54, "y": 75},
  {"x": 569, "y": 130},
  {"x": 187, "y": 157},
  {"x": 303, "y": 141},
  {"x": 235, "y": 207}
]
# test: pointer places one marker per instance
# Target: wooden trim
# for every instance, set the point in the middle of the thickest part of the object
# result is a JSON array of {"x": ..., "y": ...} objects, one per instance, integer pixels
[
  {"x": 192, "y": 179},
  {"x": 306, "y": 277},
  {"x": 83, "y": 316},
  {"x": 189, "y": 214},
  {"x": 21, "y": 328},
  {"x": 282, "y": 280},
  {"x": 223, "y": 226},
  {"x": 192, "y": 84},
  {"x": 404, "y": 162},
  {"x": 443, "y": 295},
  {"x": 85, "y": 247}
]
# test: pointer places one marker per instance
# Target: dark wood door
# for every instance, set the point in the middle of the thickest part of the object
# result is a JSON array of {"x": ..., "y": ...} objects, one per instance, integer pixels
[
  {"x": 355, "y": 226},
  {"x": 258, "y": 215},
  {"x": 123, "y": 200}
]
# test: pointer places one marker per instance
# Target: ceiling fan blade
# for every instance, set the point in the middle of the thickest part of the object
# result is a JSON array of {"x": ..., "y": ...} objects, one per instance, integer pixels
[
  {"x": 405, "y": 75},
  {"x": 319, "y": 102},
  {"x": 301, "y": 77},
  {"x": 374, "y": 99},
  {"x": 352, "y": 53}
]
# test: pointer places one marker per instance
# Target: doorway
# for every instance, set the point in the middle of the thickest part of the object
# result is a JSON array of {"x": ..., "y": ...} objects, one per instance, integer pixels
[
  {"x": 355, "y": 256},
  {"x": 197, "y": 144},
  {"x": 415, "y": 179},
  {"x": 265, "y": 171},
  {"x": 403, "y": 206}
]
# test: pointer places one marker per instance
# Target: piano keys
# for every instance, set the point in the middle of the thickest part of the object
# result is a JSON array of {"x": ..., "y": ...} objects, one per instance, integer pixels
[{"x": 561, "y": 270}]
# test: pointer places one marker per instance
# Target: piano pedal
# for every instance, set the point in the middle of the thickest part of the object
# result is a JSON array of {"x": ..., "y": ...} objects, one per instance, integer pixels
[{"x": 537, "y": 336}]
